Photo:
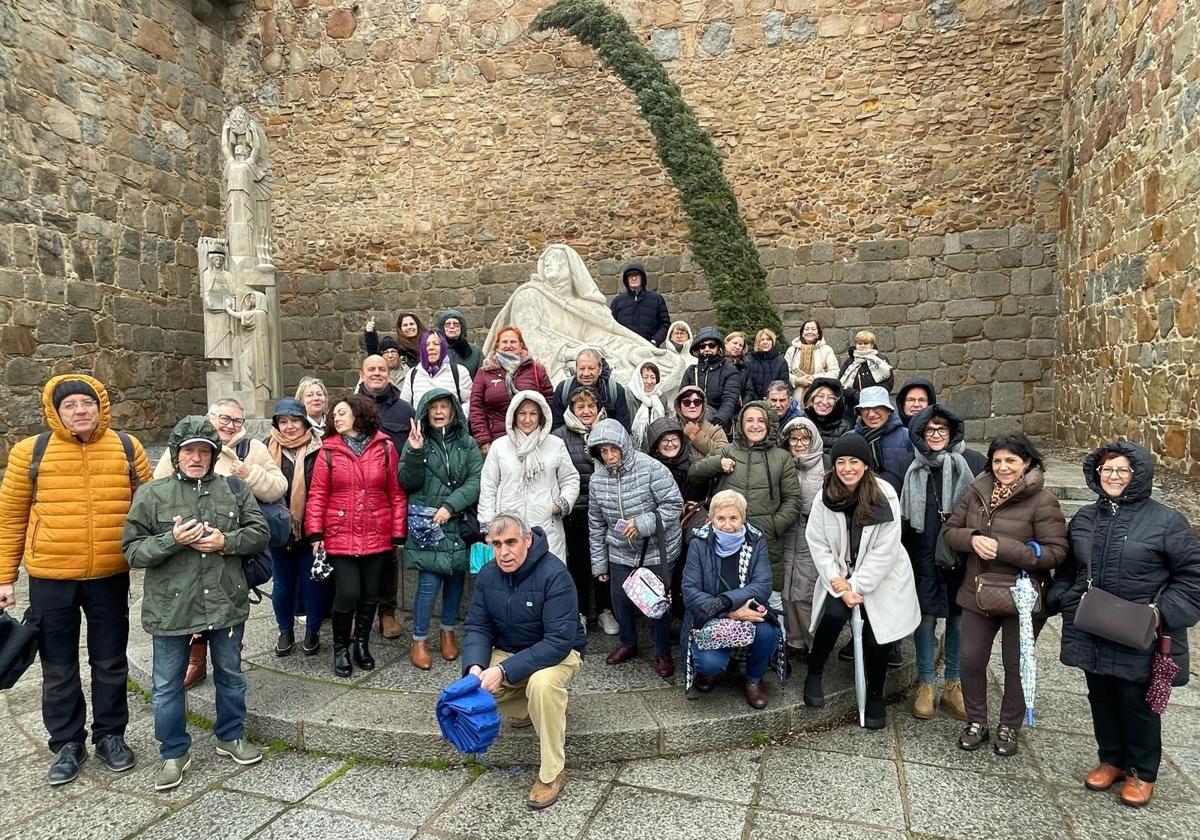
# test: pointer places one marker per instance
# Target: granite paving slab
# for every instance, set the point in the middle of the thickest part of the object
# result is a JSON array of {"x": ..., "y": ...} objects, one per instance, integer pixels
[
  {"x": 958, "y": 803},
  {"x": 1096, "y": 815},
  {"x": 731, "y": 776},
  {"x": 96, "y": 815},
  {"x": 311, "y": 824},
  {"x": 935, "y": 742},
  {"x": 832, "y": 785},
  {"x": 622, "y": 817},
  {"x": 406, "y": 795},
  {"x": 287, "y": 776},
  {"x": 1065, "y": 758},
  {"x": 218, "y": 814},
  {"x": 777, "y": 825},
  {"x": 493, "y": 808},
  {"x": 378, "y": 724},
  {"x": 26, "y": 792}
]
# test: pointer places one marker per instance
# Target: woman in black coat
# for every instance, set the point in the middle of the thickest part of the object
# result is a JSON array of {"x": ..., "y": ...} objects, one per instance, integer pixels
[
  {"x": 764, "y": 366},
  {"x": 1144, "y": 552}
]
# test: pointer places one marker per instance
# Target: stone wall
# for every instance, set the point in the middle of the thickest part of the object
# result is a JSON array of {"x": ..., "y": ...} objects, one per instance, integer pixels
[
  {"x": 974, "y": 312},
  {"x": 1130, "y": 362},
  {"x": 109, "y": 170}
]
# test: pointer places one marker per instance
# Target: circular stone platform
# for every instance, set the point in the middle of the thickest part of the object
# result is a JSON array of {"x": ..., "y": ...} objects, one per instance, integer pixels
[{"x": 615, "y": 712}]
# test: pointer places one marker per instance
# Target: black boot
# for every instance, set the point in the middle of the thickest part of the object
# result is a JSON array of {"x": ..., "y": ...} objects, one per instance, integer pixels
[
  {"x": 362, "y": 635},
  {"x": 814, "y": 692},
  {"x": 341, "y": 643}
]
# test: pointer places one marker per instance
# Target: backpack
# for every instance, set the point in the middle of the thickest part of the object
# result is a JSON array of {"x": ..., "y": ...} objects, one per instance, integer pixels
[
  {"x": 39, "y": 451},
  {"x": 412, "y": 379},
  {"x": 278, "y": 516},
  {"x": 257, "y": 567}
]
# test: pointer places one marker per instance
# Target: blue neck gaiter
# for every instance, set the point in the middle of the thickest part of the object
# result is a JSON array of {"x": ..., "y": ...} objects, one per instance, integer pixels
[{"x": 727, "y": 543}]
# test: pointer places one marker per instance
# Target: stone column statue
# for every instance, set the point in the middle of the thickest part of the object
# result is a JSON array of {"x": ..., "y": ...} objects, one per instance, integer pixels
[
  {"x": 217, "y": 294},
  {"x": 253, "y": 348},
  {"x": 247, "y": 192}
]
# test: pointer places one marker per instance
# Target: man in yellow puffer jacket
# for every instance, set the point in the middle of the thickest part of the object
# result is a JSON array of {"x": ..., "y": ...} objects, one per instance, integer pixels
[{"x": 69, "y": 538}]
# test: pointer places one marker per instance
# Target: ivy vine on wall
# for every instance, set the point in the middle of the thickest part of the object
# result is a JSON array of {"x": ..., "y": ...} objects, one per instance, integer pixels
[{"x": 720, "y": 243}]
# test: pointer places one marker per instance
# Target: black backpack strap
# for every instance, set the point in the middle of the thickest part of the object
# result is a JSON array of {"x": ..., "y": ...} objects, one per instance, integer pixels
[
  {"x": 127, "y": 445},
  {"x": 454, "y": 373},
  {"x": 243, "y": 448},
  {"x": 35, "y": 462}
]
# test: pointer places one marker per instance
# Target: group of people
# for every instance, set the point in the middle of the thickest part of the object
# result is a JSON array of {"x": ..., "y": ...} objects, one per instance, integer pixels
[{"x": 770, "y": 497}]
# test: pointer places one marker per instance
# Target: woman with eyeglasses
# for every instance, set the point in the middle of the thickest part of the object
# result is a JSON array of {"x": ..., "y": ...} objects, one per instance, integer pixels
[
  {"x": 1007, "y": 522},
  {"x": 1141, "y": 551},
  {"x": 825, "y": 405},
  {"x": 408, "y": 338}
]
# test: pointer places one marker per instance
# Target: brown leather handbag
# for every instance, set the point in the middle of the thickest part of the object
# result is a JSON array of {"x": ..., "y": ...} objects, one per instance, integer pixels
[{"x": 993, "y": 593}]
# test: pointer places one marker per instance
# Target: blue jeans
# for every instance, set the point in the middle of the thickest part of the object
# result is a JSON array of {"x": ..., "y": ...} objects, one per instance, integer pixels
[
  {"x": 170, "y": 700},
  {"x": 292, "y": 585},
  {"x": 427, "y": 590},
  {"x": 710, "y": 663},
  {"x": 924, "y": 640}
]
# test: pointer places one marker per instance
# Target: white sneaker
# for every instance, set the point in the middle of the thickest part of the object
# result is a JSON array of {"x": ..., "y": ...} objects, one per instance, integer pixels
[{"x": 608, "y": 623}]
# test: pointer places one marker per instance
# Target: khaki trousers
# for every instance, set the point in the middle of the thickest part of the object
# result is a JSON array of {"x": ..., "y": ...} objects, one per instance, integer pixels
[{"x": 543, "y": 698}]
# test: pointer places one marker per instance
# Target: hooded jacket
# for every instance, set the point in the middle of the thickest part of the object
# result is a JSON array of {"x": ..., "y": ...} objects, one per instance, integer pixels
[
  {"x": 395, "y": 414},
  {"x": 678, "y": 465},
  {"x": 833, "y": 425},
  {"x": 1030, "y": 513},
  {"x": 762, "y": 368},
  {"x": 882, "y": 573},
  {"x": 490, "y": 396},
  {"x": 613, "y": 398},
  {"x": 685, "y": 352},
  {"x": 762, "y": 472},
  {"x": 824, "y": 363},
  {"x": 73, "y": 531},
  {"x": 645, "y": 311},
  {"x": 710, "y": 434},
  {"x": 799, "y": 573},
  {"x": 638, "y": 490},
  {"x": 936, "y": 587},
  {"x": 355, "y": 503},
  {"x": 915, "y": 382},
  {"x": 1137, "y": 547},
  {"x": 894, "y": 448},
  {"x": 532, "y": 613},
  {"x": 442, "y": 473},
  {"x": 720, "y": 379},
  {"x": 187, "y": 591},
  {"x": 504, "y": 488},
  {"x": 462, "y": 351},
  {"x": 265, "y": 480}
]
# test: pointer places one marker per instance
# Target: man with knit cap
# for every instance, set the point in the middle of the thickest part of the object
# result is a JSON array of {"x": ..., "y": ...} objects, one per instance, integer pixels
[{"x": 63, "y": 504}]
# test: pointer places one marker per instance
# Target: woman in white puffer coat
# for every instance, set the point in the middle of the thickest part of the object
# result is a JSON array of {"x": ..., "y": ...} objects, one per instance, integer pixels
[{"x": 529, "y": 472}]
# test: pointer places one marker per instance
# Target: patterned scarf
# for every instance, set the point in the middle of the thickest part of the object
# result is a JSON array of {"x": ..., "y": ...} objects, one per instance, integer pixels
[
  {"x": 1000, "y": 493},
  {"x": 509, "y": 363},
  {"x": 576, "y": 425},
  {"x": 878, "y": 368},
  {"x": 296, "y": 449}
]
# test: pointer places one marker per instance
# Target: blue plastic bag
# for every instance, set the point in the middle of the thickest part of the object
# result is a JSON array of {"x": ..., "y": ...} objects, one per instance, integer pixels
[
  {"x": 481, "y": 555},
  {"x": 467, "y": 715}
]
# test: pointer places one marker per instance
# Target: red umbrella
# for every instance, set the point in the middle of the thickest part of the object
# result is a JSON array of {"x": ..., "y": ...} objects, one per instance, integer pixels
[{"x": 1162, "y": 673}]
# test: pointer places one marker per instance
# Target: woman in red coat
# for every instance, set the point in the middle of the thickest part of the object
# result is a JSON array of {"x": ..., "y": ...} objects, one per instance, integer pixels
[
  {"x": 508, "y": 369},
  {"x": 355, "y": 512}
]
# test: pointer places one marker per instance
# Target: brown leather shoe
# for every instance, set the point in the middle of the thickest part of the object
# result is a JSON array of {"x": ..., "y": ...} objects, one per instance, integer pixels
[
  {"x": 703, "y": 683},
  {"x": 664, "y": 666},
  {"x": 449, "y": 646},
  {"x": 756, "y": 694},
  {"x": 197, "y": 667},
  {"x": 1136, "y": 792},
  {"x": 389, "y": 628},
  {"x": 543, "y": 795},
  {"x": 520, "y": 722},
  {"x": 622, "y": 654},
  {"x": 1102, "y": 777},
  {"x": 418, "y": 654}
]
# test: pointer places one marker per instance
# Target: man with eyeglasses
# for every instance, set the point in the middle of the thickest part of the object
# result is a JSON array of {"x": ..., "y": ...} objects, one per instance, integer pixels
[
  {"x": 886, "y": 436},
  {"x": 63, "y": 505},
  {"x": 249, "y": 460},
  {"x": 717, "y": 377},
  {"x": 916, "y": 395}
]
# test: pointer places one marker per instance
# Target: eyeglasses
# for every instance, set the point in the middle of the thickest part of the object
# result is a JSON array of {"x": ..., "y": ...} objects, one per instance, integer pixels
[
  {"x": 391, "y": 353},
  {"x": 708, "y": 345},
  {"x": 874, "y": 409},
  {"x": 935, "y": 432},
  {"x": 236, "y": 422},
  {"x": 916, "y": 401},
  {"x": 78, "y": 405},
  {"x": 1114, "y": 472},
  {"x": 824, "y": 398},
  {"x": 692, "y": 401}
]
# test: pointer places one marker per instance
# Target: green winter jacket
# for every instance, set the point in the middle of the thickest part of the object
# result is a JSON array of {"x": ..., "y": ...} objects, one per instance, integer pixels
[
  {"x": 187, "y": 591},
  {"x": 443, "y": 472}
]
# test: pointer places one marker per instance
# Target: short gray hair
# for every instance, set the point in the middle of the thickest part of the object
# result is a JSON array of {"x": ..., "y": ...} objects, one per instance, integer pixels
[
  {"x": 727, "y": 498},
  {"x": 503, "y": 521},
  {"x": 216, "y": 407},
  {"x": 778, "y": 385},
  {"x": 589, "y": 351}
]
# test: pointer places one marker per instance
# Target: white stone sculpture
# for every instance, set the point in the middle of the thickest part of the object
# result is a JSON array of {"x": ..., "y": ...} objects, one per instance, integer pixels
[
  {"x": 217, "y": 294},
  {"x": 247, "y": 193},
  {"x": 254, "y": 341},
  {"x": 560, "y": 310}
]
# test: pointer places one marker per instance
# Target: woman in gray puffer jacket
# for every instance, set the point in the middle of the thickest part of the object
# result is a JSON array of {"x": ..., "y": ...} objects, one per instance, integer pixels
[
  {"x": 802, "y": 440},
  {"x": 634, "y": 506}
]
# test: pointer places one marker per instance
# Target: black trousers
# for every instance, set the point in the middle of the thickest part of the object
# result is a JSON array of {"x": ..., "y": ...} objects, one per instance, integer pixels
[
  {"x": 579, "y": 564},
  {"x": 55, "y": 609},
  {"x": 388, "y": 582},
  {"x": 834, "y": 616},
  {"x": 1128, "y": 733},
  {"x": 356, "y": 581},
  {"x": 975, "y": 650}
]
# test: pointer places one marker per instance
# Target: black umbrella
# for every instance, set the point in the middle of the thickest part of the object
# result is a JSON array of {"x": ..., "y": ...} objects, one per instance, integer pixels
[{"x": 18, "y": 647}]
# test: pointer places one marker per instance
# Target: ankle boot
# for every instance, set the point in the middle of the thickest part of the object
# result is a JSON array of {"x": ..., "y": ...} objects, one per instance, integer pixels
[
  {"x": 449, "y": 646},
  {"x": 197, "y": 667},
  {"x": 418, "y": 655},
  {"x": 341, "y": 643},
  {"x": 814, "y": 692},
  {"x": 362, "y": 635}
]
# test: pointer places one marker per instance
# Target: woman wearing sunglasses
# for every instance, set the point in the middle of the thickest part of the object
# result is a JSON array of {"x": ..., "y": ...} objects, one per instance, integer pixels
[{"x": 691, "y": 409}]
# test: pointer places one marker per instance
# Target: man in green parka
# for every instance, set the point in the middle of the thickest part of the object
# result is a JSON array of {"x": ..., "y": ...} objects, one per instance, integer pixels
[
  {"x": 190, "y": 531},
  {"x": 440, "y": 469}
]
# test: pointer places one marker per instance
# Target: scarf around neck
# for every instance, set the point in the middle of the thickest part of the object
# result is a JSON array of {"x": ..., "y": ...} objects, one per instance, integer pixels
[
  {"x": 728, "y": 543},
  {"x": 878, "y": 368},
  {"x": 357, "y": 443},
  {"x": 297, "y": 449},
  {"x": 509, "y": 362},
  {"x": 576, "y": 425},
  {"x": 528, "y": 449},
  {"x": 956, "y": 478}
]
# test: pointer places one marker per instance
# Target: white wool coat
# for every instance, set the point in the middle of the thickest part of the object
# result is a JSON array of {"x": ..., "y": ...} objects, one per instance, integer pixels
[
  {"x": 883, "y": 574},
  {"x": 503, "y": 489}
]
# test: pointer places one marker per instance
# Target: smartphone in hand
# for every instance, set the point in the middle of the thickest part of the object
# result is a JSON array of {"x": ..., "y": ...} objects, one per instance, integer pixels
[{"x": 621, "y": 525}]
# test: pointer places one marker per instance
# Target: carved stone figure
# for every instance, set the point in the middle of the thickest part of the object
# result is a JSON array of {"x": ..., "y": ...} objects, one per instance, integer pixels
[
  {"x": 247, "y": 193},
  {"x": 254, "y": 349},
  {"x": 217, "y": 293},
  {"x": 560, "y": 310}
]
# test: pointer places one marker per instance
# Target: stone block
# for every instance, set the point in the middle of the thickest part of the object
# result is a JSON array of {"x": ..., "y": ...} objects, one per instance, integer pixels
[
  {"x": 936, "y": 332},
  {"x": 664, "y": 43},
  {"x": 968, "y": 327},
  {"x": 889, "y": 314},
  {"x": 821, "y": 252},
  {"x": 960, "y": 261},
  {"x": 882, "y": 249},
  {"x": 927, "y": 246},
  {"x": 847, "y": 316},
  {"x": 914, "y": 268},
  {"x": 1008, "y": 350},
  {"x": 969, "y": 308},
  {"x": 1007, "y": 326},
  {"x": 972, "y": 401},
  {"x": 990, "y": 284},
  {"x": 894, "y": 292},
  {"x": 1023, "y": 370},
  {"x": 717, "y": 38},
  {"x": 867, "y": 272},
  {"x": 844, "y": 294},
  {"x": 985, "y": 239}
]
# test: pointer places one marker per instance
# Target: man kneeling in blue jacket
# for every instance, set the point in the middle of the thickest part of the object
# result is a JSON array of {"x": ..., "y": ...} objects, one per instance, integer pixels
[{"x": 524, "y": 640}]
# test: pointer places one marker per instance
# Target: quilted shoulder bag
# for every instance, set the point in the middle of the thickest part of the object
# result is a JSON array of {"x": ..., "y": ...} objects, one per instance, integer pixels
[
  {"x": 724, "y": 633},
  {"x": 645, "y": 589},
  {"x": 1125, "y": 622},
  {"x": 993, "y": 590}
]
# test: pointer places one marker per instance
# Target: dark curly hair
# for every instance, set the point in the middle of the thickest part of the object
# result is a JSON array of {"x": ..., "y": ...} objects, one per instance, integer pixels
[{"x": 366, "y": 414}]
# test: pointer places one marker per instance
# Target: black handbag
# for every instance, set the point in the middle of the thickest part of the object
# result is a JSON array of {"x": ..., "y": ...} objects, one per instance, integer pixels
[
  {"x": 18, "y": 647},
  {"x": 468, "y": 526},
  {"x": 1125, "y": 622}
]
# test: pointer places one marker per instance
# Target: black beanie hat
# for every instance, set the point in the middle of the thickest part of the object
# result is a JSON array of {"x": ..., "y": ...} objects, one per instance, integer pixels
[
  {"x": 851, "y": 445},
  {"x": 69, "y": 387},
  {"x": 388, "y": 343}
]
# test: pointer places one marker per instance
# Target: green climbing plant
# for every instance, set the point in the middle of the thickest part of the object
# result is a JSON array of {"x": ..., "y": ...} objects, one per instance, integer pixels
[{"x": 720, "y": 243}]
